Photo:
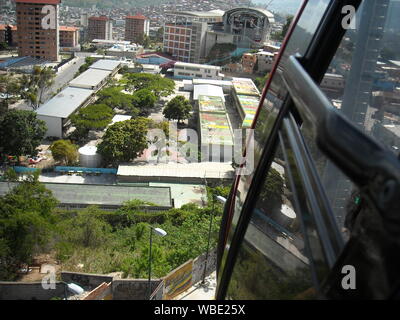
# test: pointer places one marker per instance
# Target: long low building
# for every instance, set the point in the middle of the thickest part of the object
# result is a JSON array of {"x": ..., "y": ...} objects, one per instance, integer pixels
[
  {"x": 246, "y": 98},
  {"x": 105, "y": 64},
  {"x": 216, "y": 137},
  {"x": 56, "y": 111},
  {"x": 79, "y": 94},
  {"x": 184, "y": 70},
  {"x": 196, "y": 173},
  {"x": 92, "y": 79},
  {"x": 109, "y": 197}
]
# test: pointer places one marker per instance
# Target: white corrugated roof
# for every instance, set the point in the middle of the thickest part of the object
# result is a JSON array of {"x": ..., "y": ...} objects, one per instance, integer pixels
[
  {"x": 91, "y": 77},
  {"x": 104, "y": 64},
  {"x": 207, "y": 90},
  {"x": 208, "y": 170},
  {"x": 64, "y": 103}
]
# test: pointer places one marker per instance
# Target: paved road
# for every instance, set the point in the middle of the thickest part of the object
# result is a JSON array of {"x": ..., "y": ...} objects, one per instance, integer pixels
[{"x": 63, "y": 78}]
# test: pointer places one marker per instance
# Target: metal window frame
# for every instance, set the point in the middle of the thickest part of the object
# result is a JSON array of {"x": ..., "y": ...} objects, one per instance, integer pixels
[{"x": 316, "y": 61}]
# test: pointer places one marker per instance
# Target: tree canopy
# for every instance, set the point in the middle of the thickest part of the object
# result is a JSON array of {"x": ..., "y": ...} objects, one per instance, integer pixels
[
  {"x": 36, "y": 84},
  {"x": 281, "y": 35},
  {"x": 92, "y": 117},
  {"x": 178, "y": 109},
  {"x": 25, "y": 224},
  {"x": 160, "y": 86},
  {"x": 21, "y": 132},
  {"x": 144, "y": 100},
  {"x": 114, "y": 98},
  {"x": 9, "y": 88},
  {"x": 124, "y": 141}
]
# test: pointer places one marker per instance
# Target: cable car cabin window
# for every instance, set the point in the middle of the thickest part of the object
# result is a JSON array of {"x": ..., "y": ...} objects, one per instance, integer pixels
[
  {"x": 272, "y": 261},
  {"x": 275, "y": 98},
  {"x": 363, "y": 83}
]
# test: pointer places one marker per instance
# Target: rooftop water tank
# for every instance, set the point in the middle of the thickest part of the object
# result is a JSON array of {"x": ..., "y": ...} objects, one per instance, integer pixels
[{"x": 88, "y": 157}]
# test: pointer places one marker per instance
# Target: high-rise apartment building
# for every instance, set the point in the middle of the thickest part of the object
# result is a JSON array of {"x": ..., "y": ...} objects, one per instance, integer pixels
[
  {"x": 38, "y": 30},
  {"x": 69, "y": 37},
  {"x": 185, "y": 33},
  {"x": 136, "y": 27},
  {"x": 99, "y": 28},
  {"x": 8, "y": 35}
]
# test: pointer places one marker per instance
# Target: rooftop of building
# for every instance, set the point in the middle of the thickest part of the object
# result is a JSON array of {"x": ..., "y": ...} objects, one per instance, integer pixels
[
  {"x": 137, "y": 17},
  {"x": 201, "y": 170},
  {"x": 65, "y": 103},
  {"x": 211, "y": 104},
  {"x": 202, "y": 14},
  {"x": 92, "y": 77},
  {"x": 105, "y": 64},
  {"x": 264, "y": 12},
  {"x": 215, "y": 128},
  {"x": 101, "y": 18},
  {"x": 207, "y": 90},
  {"x": 245, "y": 86},
  {"x": 66, "y": 28},
  {"x": 110, "y": 195}
]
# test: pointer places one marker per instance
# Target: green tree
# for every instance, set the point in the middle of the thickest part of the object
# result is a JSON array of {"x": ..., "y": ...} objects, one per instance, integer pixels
[
  {"x": 124, "y": 141},
  {"x": 92, "y": 117},
  {"x": 178, "y": 109},
  {"x": 144, "y": 100},
  {"x": 114, "y": 98},
  {"x": 25, "y": 224},
  {"x": 160, "y": 34},
  {"x": 3, "y": 46},
  {"x": 21, "y": 132},
  {"x": 36, "y": 84},
  {"x": 279, "y": 36},
  {"x": 144, "y": 40},
  {"x": 86, "y": 228},
  {"x": 65, "y": 151},
  {"x": 272, "y": 191},
  {"x": 9, "y": 87},
  {"x": 160, "y": 86},
  {"x": 88, "y": 62},
  {"x": 260, "y": 82}
]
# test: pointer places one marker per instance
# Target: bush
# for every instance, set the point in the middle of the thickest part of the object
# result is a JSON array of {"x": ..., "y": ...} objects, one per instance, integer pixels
[{"x": 65, "y": 151}]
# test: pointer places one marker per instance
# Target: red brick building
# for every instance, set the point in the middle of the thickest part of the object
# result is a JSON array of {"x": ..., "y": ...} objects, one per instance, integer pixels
[
  {"x": 38, "y": 37},
  {"x": 69, "y": 37},
  {"x": 136, "y": 27},
  {"x": 100, "y": 28}
]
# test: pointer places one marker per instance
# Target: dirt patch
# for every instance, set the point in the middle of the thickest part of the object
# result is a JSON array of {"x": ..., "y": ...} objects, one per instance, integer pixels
[{"x": 34, "y": 274}]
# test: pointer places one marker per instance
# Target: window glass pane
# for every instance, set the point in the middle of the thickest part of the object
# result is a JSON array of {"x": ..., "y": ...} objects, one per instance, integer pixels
[
  {"x": 272, "y": 262},
  {"x": 363, "y": 83},
  {"x": 275, "y": 98}
]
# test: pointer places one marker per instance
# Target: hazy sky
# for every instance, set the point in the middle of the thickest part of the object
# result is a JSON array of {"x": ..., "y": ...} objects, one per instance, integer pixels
[{"x": 284, "y": 6}]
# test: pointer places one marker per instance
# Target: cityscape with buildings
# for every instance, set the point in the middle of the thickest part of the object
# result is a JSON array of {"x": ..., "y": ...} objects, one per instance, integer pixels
[{"x": 123, "y": 129}]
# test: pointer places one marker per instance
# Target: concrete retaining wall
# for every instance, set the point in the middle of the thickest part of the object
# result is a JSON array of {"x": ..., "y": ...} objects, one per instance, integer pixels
[
  {"x": 198, "y": 265},
  {"x": 29, "y": 291},
  {"x": 86, "y": 280},
  {"x": 137, "y": 289}
]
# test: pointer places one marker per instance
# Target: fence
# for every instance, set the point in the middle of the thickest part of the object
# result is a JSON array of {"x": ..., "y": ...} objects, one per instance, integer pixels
[
  {"x": 107, "y": 287},
  {"x": 85, "y": 170},
  {"x": 18, "y": 169}
]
